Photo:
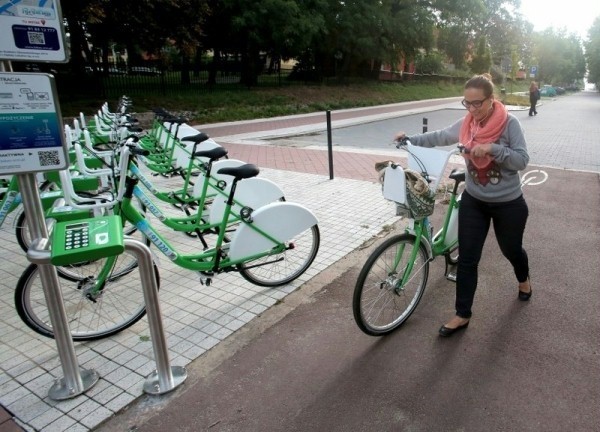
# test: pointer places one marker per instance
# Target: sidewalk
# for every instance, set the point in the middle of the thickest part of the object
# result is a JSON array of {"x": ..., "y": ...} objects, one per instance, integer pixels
[{"x": 204, "y": 322}]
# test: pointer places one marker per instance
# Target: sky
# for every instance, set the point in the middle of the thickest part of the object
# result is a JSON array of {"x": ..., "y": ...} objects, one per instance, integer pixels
[{"x": 577, "y": 16}]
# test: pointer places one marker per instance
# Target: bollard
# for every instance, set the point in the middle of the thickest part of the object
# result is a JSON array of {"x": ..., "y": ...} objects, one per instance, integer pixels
[
  {"x": 329, "y": 145},
  {"x": 165, "y": 378},
  {"x": 424, "y": 124}
]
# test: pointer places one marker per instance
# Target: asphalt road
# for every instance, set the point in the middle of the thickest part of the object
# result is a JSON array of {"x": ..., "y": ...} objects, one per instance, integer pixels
[{"x": 565, "y": 134}]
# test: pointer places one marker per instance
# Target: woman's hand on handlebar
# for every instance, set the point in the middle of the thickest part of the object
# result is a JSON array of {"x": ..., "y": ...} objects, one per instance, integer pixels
[
  {"x": 400, "y": 139},
  {"x": 480, "y": 150}
]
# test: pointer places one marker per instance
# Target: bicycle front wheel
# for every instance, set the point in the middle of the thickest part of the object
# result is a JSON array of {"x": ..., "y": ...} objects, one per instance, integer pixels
[
  {"x": 279, "y": 269},
  {"x": 92, "y": 314},
  {"x": 381, "y": 303}
]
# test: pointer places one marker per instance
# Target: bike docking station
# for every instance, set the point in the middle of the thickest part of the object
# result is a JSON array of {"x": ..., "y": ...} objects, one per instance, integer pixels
[{"x": 31, "y": 142}]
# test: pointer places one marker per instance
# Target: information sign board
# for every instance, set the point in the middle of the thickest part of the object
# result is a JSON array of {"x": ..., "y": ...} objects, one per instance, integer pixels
[
  {"x": 32, "y": 30},
  {"x": 31, "y": 135}
]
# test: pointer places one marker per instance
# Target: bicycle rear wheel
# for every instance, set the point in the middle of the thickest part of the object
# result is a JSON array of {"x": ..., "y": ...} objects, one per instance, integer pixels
[
  {"x": 91, "y": 315},
  {"x": 279, "y": 269},
  {"x": 380, "y": 304}
]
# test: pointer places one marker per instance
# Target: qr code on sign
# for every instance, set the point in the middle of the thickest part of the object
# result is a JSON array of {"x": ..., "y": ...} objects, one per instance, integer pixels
[
  {"x": 36, "y": 38},
  {"x": 49, "y": 158}
]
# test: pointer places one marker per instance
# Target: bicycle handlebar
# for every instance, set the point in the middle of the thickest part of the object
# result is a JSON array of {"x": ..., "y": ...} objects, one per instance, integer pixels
[
  {"x": 139, "y": 152},
  {"x": 131, "y": 143},
  {"x": 403, "y": 142},
  {"x": 461, "y": 148}
]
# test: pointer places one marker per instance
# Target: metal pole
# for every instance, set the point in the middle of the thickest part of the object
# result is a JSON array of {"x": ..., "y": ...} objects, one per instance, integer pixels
[
  {"x": 425, "y": 124},
  {"x": 329, "y": 145},
  {"x": 164, "y": 378},
  {"x": 75, "y": 381}
]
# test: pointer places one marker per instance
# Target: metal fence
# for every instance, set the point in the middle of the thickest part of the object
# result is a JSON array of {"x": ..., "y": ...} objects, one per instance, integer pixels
[{"x": 149, "y": 80}]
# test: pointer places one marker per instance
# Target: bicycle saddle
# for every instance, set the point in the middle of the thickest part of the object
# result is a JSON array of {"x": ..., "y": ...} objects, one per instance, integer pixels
[
  {"x": 201, "y": 137},
  {"x": 458, "y": 175},
  {"x": 212, "y": 154},
  {"x": 241, "y": 172}
]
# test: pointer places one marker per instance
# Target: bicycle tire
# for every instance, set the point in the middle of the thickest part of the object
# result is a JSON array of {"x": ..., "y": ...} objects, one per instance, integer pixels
[
  {"x": 119, "y": 306},
  {"x": 378, "y": 306},
  {"x": 280, "y": 269}
]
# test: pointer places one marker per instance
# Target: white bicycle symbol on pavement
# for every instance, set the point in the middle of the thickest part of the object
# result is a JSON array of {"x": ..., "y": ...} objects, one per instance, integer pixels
[{"x": 534, "y": 178}]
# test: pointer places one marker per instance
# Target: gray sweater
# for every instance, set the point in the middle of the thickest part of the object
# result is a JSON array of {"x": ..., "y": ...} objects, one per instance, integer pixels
[{"x": 502, "y": 181}]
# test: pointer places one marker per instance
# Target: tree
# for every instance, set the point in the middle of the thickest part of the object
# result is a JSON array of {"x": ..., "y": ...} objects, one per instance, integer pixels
[
  {"x": 280, "y": 28},
  {"x": 454, "y": 41},
  {"x": 592, "y": 53},
  {"x": 501, "y": 26},
  {"x": 482, "y": 60},
  {"x": 139, "y": 25},
  {"x": 559, "y": 56}
]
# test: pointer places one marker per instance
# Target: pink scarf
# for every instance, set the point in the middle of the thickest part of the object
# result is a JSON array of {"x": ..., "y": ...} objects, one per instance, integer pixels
[{"x": 472, "y": 133}]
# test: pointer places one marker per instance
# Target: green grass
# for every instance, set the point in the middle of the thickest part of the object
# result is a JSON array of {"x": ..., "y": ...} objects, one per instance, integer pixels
[{"x": 245, "y": 104}]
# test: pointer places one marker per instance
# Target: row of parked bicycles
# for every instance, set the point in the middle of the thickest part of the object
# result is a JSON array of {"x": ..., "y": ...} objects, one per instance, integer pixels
[{"x": 240, "y": 221}]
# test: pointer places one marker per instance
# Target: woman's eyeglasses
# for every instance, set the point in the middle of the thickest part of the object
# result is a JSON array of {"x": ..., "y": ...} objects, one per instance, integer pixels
[{"x": 475, "y": 104}]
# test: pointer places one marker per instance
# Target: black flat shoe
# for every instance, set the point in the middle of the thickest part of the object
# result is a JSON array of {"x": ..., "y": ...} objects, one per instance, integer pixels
[
  {"x": 525, "y": 296},
  {"x": 446, "y": 331}
]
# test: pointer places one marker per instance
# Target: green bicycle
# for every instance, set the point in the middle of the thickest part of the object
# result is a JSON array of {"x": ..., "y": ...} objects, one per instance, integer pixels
[
  {"x": 393, "y": 279},
  {"x": 107, "y": 298}
]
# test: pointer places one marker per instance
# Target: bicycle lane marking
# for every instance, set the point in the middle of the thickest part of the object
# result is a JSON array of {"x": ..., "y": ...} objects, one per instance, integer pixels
[{"x": 534, "y": 178}]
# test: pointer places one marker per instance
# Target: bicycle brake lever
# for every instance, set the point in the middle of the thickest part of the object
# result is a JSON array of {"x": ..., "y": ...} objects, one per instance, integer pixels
[{"x": 402, "y": 142}]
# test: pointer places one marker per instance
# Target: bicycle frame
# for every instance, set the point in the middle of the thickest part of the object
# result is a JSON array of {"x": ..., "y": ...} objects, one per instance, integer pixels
[
  {"x": 210, "y": 260},
  {"x": 183, "y": 196},
  {"x": 218, "y": 258},
  {"x": 11, "y": 199},
  {"x": 253, "y": 192},
  {"x": 422, "y": 231},
  {"x": 435, "y": 245}
]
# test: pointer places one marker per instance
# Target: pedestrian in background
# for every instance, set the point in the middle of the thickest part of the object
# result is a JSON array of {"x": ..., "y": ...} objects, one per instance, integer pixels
[{"x": 534, "y": 96}]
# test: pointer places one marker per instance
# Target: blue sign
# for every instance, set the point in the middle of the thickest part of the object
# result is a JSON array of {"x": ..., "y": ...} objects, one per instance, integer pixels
[
  {"x": 533, "y": 70},
  {"x": 32, "y": 30},
  {"x": 31, "y": 135},
  {"x": 36, "y": 38}
]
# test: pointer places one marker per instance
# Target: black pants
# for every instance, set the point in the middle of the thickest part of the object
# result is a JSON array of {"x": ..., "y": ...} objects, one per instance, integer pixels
[
  {"x": 509, "y": 219},
  {"x": 532, "y": 103}
]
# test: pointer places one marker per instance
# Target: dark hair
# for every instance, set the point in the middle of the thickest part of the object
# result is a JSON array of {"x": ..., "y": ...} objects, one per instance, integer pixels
[{"x": 481, "y": 82}]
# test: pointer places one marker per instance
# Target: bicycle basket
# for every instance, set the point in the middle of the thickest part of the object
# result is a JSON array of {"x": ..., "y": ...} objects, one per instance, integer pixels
[
  {"x": 419, "y": 198},
  {"x": 410, "y": 191}
]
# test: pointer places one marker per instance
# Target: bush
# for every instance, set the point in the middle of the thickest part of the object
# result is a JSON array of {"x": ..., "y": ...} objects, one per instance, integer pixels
[{"x": 430, "y": 63}]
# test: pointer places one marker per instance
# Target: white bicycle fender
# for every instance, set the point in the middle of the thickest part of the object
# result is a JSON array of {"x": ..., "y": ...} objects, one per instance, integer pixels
[
  {"x": 281, "y": 220},
  {"x": 253, "y": 192}
]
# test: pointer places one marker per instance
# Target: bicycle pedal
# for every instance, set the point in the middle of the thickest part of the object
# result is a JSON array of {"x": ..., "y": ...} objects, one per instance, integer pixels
[
  {"x": 206, "y": 277},
  {"x": 451, "y": 276}
]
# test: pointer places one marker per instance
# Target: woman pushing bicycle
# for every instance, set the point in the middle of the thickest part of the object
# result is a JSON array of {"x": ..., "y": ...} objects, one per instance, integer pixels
[{"x": 495, "y": 151}]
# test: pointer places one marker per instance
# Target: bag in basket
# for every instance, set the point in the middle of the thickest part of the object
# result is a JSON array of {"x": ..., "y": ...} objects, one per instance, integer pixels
[{"x": 419, "y": 197}]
